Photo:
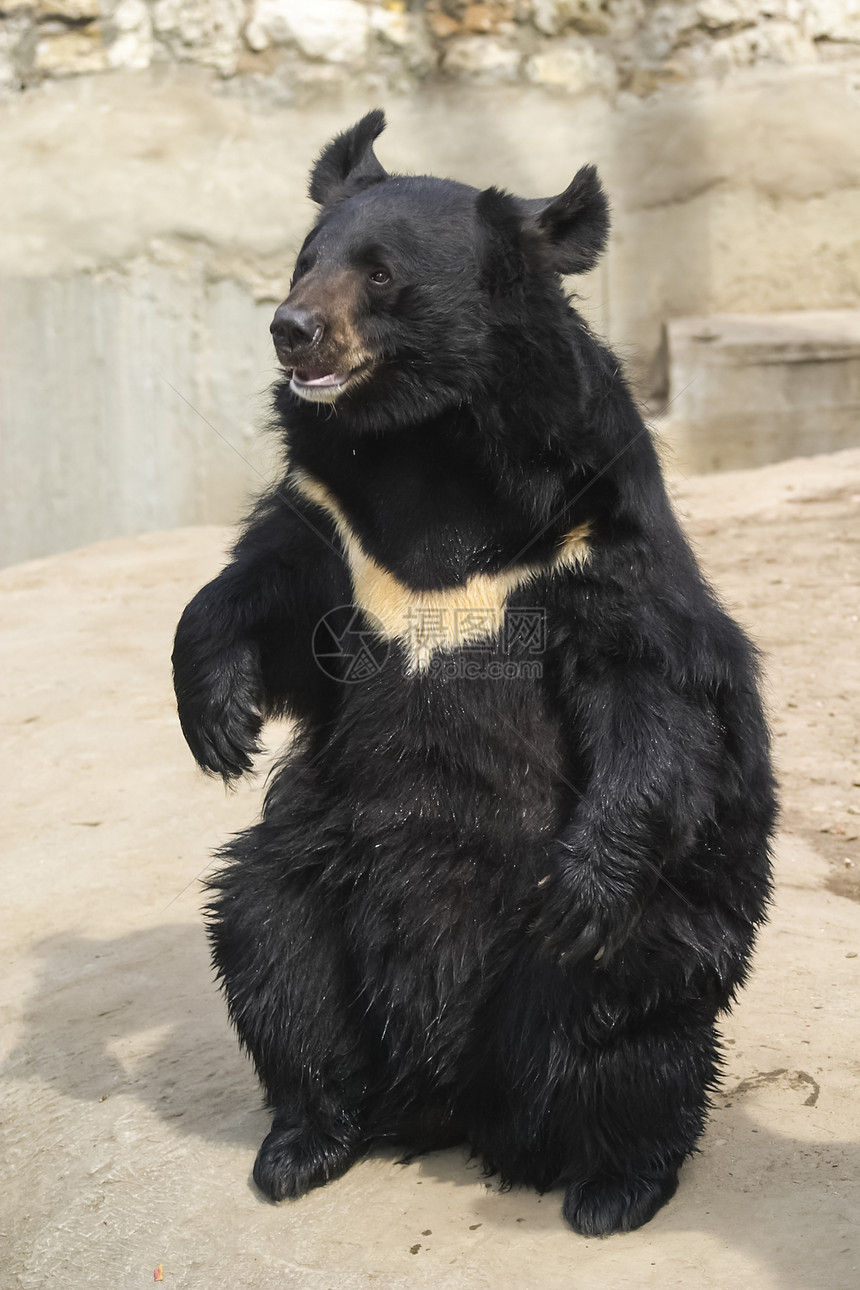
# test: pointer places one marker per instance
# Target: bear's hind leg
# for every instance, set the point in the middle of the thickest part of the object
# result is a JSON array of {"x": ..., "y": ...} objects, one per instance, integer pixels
[
  {"x": 279, "y": 950},
  {"x": 579, "y": 1088},
  {"x": 642, "y": 1107}
]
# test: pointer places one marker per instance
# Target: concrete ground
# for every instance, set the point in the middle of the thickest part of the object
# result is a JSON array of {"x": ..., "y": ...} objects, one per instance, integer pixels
[{"x": 130, "y": 1118}]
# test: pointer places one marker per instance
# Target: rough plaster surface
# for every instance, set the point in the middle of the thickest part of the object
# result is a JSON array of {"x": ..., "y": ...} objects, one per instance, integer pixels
[
  {"x": 130, "y": 1120},
  {"x": 101, "y": 171}
]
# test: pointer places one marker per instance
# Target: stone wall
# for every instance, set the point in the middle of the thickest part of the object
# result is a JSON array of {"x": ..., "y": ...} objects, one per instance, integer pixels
[{"x": 296, "y": 47}]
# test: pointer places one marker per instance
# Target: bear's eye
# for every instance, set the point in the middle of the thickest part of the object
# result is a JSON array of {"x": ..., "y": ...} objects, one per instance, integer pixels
[{"x": 380, "y": 277}]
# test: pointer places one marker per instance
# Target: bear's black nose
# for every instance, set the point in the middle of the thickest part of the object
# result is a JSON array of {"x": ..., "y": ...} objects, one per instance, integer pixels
[{"x": 295, "y": 328}]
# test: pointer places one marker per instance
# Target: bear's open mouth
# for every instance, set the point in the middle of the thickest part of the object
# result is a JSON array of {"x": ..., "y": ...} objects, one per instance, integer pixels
[
  {"x": 320, "y": 386},
  {"x": 306, "y": 376}
]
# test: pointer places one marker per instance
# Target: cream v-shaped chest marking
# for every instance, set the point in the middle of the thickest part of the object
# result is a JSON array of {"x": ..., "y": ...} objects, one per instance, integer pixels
[{"x": 425, "y": 622}]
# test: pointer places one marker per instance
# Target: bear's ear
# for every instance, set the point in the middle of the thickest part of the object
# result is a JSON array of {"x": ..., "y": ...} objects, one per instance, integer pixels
[
  {"x": 573, "y": 227},
  {"x": 348, "y": 163}
]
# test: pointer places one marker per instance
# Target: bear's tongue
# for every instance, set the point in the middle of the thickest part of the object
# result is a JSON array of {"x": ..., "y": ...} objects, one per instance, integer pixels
[{"x": 312, "y": 376}]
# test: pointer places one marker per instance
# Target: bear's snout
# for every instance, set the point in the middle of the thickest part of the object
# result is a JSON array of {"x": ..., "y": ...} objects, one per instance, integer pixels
[
  {"x": 317, "y": 337},
  {"x": 295, "y": 331}
]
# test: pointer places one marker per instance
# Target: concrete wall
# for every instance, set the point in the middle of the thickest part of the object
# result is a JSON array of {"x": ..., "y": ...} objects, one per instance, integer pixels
[
  {"x": 150, "y": 221},
  {"x": 129, "y": 402}
]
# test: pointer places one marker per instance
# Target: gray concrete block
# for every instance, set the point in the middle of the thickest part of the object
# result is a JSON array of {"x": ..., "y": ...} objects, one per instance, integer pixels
[{"x": 749, "y": 389}]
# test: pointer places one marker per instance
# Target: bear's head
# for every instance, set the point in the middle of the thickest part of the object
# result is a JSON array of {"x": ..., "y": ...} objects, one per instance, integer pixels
[{"x": 413, "y": 294}]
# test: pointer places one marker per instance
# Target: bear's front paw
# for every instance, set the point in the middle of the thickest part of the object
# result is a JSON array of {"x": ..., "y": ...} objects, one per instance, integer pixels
[
  {"x": 583, "y": 914},
  {"x": 219, "y": 697}
]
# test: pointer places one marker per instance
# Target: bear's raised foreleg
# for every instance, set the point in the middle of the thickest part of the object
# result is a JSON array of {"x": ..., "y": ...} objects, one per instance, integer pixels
[{"x": 244, "y": 645}]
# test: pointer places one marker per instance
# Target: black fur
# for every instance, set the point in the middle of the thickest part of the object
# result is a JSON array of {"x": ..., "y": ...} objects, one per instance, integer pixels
[{"x": 505, "y": 909}]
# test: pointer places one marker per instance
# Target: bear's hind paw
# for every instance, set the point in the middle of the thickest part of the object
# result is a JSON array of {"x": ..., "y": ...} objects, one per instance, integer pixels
[
  {"x": 297, "y": 1157},
  {"x": 603, "y": 1205}
]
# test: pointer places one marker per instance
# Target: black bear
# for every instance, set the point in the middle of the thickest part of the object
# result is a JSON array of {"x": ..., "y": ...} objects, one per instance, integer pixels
[{"x": 511, "y": 869}]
